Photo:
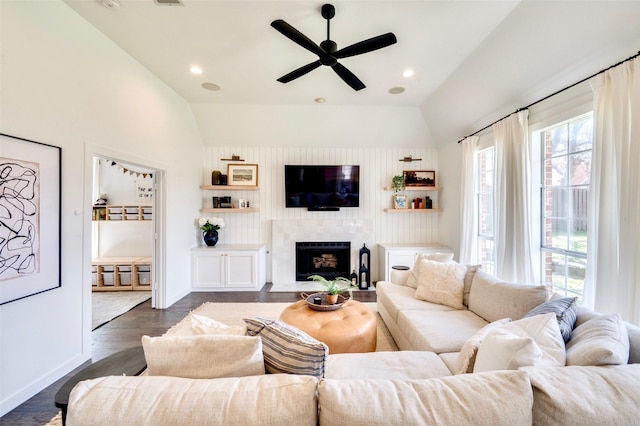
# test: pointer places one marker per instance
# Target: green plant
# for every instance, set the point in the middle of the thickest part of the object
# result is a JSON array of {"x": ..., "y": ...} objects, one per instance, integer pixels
[
  {"x": 397, "y": 183},
  {"x": 334, "y": 286}
]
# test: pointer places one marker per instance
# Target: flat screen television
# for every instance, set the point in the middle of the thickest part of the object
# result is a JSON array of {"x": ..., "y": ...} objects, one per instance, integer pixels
[{"x": 322, "y": 187}]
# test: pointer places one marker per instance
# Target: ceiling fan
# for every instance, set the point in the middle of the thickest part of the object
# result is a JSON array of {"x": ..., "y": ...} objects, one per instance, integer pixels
[{"x": 327, "y": 51}]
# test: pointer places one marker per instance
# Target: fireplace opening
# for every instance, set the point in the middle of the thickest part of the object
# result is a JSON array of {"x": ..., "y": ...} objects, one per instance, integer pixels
[{"x": 325, "y": 258}]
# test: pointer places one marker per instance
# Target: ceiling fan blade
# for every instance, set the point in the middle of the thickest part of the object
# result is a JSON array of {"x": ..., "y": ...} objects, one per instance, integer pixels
[
  {"x": 299, "y": 72},
  {"x": 297, "y": 37},
  {"x": 368, "y": 45},
  {"x": 348, "y": 76}
]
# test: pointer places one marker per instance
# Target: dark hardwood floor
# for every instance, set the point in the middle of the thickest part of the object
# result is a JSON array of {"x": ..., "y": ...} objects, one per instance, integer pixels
[{"x": 127, "y": 330}]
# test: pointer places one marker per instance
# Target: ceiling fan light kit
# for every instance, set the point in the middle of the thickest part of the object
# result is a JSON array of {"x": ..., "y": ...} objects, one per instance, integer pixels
[{"x": 328, "y": 52}]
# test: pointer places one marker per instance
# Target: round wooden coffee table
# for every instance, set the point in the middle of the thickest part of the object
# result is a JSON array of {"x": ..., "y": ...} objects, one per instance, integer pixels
[{"x": 352, "y": 328}]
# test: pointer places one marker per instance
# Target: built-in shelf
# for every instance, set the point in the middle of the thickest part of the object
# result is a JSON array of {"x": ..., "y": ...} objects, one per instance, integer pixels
[
  {"x": 229, "y": 187},
  {"x": 231, "y": 210},
  {"x": 413, "y": 210},
  {"x": 416, "y": 188}
]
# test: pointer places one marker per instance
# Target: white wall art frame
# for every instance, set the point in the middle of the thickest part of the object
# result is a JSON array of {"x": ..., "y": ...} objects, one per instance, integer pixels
[{"x": 30, "y": 217}]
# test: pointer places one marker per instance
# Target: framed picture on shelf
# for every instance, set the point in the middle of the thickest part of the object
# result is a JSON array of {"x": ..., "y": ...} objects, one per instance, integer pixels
[
  {"x": 399, "y": 201},
  {"x": 242, "y": 174},
  {"x": 30, "y": 208},
  {"x": 419, "y": 178}
]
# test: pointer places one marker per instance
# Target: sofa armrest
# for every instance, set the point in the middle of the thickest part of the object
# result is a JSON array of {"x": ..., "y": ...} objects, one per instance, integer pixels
[{"x": 399, "y": 277}]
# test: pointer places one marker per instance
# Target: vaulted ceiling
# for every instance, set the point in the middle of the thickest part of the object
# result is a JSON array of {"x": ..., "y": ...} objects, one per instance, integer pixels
[{"x": 472, "y": 60}]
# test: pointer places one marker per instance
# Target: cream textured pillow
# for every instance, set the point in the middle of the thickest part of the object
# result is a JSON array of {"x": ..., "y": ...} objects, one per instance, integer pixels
[
  {"x": 493, "y": 299},
  {"x": 530, "y": 341},
  {"x": 602, "y": 340},
  {"x": 414, "y": 275},
  {"x": 467, "y": 355},
  {"x": 441, "y": 283},
  {"x": 203, "y": 357},
  {"x": 288, "y": 349}
]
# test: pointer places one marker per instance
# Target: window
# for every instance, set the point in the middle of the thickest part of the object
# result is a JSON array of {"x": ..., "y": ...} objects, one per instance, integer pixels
[
  {"x": 485, "y": 210},
  {"x": 566, "y": 171}
]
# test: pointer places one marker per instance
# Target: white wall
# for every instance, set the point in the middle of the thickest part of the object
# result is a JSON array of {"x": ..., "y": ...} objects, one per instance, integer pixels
[
  {"x": 63, "y": 83},
  {"x": 377, "y": 167}
]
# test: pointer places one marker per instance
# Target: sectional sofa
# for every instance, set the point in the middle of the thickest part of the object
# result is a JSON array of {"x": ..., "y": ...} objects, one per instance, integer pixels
[{"x": 487, "y": 353}]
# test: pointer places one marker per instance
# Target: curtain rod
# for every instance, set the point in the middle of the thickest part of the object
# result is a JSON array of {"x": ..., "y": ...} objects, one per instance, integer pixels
[{"x": 553, "y": 94}]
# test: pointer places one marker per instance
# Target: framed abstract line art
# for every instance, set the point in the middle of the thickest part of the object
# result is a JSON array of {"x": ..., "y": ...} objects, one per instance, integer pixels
[
  {"x": 242, "y": 174},
  {"x": 419, "y": 178},
  {"x": 30, "y": 217}
]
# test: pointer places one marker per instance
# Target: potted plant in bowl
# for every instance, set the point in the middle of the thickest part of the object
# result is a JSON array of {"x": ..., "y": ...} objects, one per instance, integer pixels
[{"x": 334, "y": 287}]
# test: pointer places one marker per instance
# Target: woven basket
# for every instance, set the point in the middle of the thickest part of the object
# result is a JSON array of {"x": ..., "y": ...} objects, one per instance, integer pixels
[{"x": 324, "y": 305}]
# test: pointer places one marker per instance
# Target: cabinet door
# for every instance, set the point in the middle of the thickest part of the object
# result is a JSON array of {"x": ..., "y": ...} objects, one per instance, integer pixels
[
  {"x": 208, "y": 270},
  {"x": 242, "y": 269}
]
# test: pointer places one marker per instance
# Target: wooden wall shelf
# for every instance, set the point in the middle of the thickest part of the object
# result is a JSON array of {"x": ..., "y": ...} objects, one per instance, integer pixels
[
  {"x": 229, "y": 188},
  {"x": 413, "y": 210},
  {"x": 231, "y": 210}
]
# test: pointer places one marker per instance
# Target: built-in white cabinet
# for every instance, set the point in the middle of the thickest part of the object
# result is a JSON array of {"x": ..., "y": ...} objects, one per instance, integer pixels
[
  {"x": 404, "y": 255},
  {"x": 227, "y": 267}
]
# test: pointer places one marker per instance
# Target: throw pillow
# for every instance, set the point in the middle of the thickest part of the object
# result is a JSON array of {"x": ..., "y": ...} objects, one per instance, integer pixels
[
  {"x": 468, "y": 280},
  {"x": 526, "y": 342},
  {"x": 414, "y": 275},
  {"x": 287, "y": 349},
  {"x": 493, "y": 299},
  {"x": 467, "y": 355},
  {"x": 602, "y": 340},
  {"x": 203, "y": 357},
  {"x": 566, "y": 313},
  {"x": 441, "y": 283},
  {"x": 201, "y": 324}
]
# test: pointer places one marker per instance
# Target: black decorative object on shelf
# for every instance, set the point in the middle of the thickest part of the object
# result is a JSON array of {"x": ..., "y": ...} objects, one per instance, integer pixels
[
  {"x": 365, "y": 267},
  {"x": 210, "y": 237}
]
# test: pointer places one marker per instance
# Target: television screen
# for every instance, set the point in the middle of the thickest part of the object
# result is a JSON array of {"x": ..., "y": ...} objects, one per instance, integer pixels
[{"x": 322, "y": 186}]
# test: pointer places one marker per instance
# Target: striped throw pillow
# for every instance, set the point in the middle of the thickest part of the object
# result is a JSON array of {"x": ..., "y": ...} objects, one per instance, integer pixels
[
  {"x": 566, "y": 313},
  {"x": 286, "y": 349}
]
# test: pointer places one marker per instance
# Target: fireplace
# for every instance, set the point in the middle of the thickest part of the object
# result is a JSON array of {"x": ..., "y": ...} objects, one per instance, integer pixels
[{"x": 325, "y": 258}]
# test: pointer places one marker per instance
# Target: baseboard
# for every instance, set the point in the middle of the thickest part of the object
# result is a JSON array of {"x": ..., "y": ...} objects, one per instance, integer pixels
[{"x": 36, "y": 386}]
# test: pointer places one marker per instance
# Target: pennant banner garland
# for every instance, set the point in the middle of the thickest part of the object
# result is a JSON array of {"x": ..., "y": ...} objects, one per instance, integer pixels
[{"x": 130, "y": 171}]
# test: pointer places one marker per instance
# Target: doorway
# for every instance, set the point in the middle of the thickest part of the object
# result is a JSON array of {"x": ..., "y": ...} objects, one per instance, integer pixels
[{"x": 126, "y": 261}]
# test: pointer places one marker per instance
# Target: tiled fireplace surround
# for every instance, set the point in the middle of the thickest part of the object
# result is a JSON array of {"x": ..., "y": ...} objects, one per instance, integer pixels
[{"x": 285, "y": 233}]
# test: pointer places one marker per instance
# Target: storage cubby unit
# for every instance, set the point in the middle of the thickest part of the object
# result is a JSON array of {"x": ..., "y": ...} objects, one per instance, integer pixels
[
  {"x": 228, "y": 209},
  {"x": 124, "y": 212},
  {"x": 121, "y": 273}
]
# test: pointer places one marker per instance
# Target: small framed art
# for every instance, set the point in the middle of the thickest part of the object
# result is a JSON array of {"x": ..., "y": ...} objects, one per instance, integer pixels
[
  {"x": 419, "y": 178},
  {"x": 399, "y": 201},
  {"x": 242, "y": 174}
]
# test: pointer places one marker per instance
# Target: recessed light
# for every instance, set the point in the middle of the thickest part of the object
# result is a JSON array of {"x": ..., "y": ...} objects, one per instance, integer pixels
[
  {"x": 408, "y": 73},
  {"x": 195, "y": 69},
  {"x": 320, "y": 100},
  {"x": 211, "y": 86},
  {"x": 396, "y": 90}
]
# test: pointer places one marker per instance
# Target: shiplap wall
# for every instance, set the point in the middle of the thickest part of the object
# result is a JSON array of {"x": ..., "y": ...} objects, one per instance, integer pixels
[{"x": 377, "y": 167}]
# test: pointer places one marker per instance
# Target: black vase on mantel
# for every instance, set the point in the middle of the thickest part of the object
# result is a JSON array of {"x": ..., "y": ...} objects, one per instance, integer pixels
[{"x": 210, "y": 237}]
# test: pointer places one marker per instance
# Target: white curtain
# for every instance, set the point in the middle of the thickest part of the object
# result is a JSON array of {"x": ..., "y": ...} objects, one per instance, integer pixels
[
  {"x": 512, "y": 199},
  {"x": 612, "y": 283},
  {"x": 468, "y": 203}
]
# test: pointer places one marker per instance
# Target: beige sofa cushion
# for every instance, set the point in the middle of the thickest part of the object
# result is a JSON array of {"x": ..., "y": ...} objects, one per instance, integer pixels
[
  {"x": 496, "y": 398},
  {"x": 586, "y": 395},
  {"x": 204, "y": 356},
  {"x": 396, "y": 298},
  {"x": 602, "y": 340},
  {"x": 274, "y": 400},
  {"x": 468, "y": 280},
  {"x": 493, "y": 299},
  {"x": 441, "y": 283},
  {"x": 530, "y": 341},
  {"x": 467, "y": 356},
  {"x": 439, "y": 331},
  {"x": 414, "y": 275},
  {"x": 401, "y": 365}
]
